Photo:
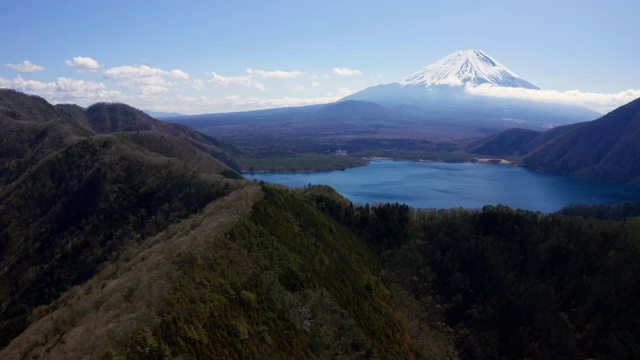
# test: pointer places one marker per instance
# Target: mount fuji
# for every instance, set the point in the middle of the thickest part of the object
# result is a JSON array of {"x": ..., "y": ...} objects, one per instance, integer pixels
[
  {"x": 432, "y": 104},
  {"x": 466, "y": 67},
  {"x": 439, "y": 94}
]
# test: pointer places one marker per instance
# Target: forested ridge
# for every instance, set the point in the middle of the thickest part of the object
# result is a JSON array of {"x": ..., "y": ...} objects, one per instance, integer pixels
[
  {"x": 144, "y": 244},
  {"x": 515, "y": 283}
]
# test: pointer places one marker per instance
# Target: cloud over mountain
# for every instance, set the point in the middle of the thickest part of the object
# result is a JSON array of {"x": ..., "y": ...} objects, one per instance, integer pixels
[{"x": 599, "y": 102}]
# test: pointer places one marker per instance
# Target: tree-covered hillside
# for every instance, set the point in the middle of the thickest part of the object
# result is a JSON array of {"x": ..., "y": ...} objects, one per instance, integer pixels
[
  {"x": 71, "y": 201},
  {"x": 143, "y": 244},
  {"x": 513, "y": 283}
]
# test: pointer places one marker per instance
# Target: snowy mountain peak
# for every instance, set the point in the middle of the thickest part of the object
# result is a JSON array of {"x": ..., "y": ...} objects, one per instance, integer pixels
[{"x": 464, "y": 67}]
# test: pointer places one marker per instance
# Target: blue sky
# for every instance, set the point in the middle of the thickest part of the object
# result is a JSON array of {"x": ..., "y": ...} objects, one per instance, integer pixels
[{"x": 217, "y": 56}]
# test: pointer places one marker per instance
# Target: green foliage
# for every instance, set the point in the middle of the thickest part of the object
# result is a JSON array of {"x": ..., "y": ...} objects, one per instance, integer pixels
[
  {"x": 230, "y": 174},
  {"x": 303, "y": 286},
  {"x": 239, "y": 330},
  {"x": 384, "y": 226},
  {"x": 604, "y": 212},
  {"x": 145, "y": 346},
  {"x": 511, "y": 283},
  {"x": 77, "y": 209},
  {"x": 24, "y": 144},
  {"x": 214, "y": 315},
  {"x": 321, "y": 157},
  {"x": 324, "y": 255},
  {"x": 520, "y": 284}
]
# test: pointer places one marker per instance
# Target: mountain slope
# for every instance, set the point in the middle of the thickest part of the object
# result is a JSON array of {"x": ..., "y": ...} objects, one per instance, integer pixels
[
  {"x": 137, "y": 244},
  {"x": 21, "y": 107},
  {"x": 506, "y": 143},
  {"x": 606, "y": 148},
  {"x": 70, "y": 200},
  {"x": 32, "y": 129}
]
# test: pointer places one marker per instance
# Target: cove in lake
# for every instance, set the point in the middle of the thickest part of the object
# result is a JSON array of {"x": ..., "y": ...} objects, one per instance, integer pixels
[{"x": 450, "y": 185}]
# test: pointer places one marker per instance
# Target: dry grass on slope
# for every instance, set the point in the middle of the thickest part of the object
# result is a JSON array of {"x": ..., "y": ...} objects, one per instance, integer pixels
[{"x": 105, "y": 312}]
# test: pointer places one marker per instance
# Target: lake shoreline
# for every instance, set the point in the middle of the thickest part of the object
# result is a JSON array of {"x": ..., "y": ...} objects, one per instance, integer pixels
[
  {"x": 368, "y": 160},
  {"x": 445, "y": 185}
]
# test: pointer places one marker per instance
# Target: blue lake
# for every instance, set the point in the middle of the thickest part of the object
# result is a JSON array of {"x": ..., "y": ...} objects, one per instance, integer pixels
[{"x": 449, "y": 185}]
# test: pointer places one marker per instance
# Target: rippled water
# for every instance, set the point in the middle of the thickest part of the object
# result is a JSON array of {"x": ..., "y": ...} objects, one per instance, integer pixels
[{"x": 469, "y": 185}]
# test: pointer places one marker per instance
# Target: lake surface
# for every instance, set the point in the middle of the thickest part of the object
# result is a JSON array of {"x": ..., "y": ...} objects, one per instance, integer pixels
[{"x": 449, "y": 185}]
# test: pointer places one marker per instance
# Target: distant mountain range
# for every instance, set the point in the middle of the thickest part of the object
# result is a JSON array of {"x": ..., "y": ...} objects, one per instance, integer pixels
[
  {"x": 431, "y": 103},
  {"x": 606, "y": 148}
]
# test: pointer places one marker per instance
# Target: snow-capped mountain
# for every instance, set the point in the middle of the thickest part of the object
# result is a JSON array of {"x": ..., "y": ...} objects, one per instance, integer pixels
[
  {"x": 439, "y": 93},
  {"x": 473, "y": 67}
]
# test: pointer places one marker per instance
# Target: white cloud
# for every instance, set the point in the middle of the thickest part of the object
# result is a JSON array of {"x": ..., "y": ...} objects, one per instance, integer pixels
[
  {"x": 25, "y": 67},
  {"x": 599, "y": 102},
  {"x": 315, "y": 84},
  {"x": 143, "y": 71},
  {"x": 199, "y": 84},
  {"x": 64, "y": 90},
  {"x": 206, "y": 104},
  {"x": 83, "y": 62},
  {"x": 202, "y": 104},
  {"x": 144, "y": 79},
  {"x": 346, "y": 71},
  {"x": 152, "y": 90},
  {"x": 245, "y": 81},
  {"x": 179, "y": 75},
  {"x": 275, "y": 74},
  {"x": 61, "y": 85},
  {"x": 71, "y": 85},
  {"x": 28, "y": 86}
]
